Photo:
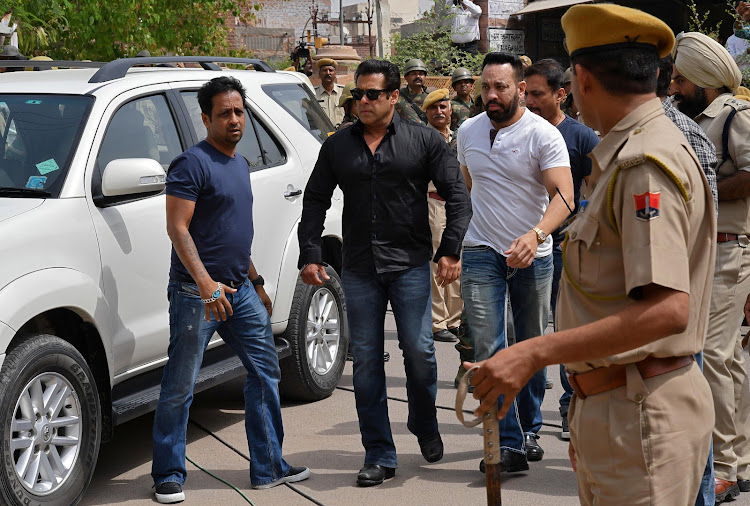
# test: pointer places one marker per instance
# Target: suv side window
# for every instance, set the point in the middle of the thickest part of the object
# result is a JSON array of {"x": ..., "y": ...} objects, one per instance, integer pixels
[
  {"x": 257, "y": 145},
  {"x": 143, "y": 128},
  {"x": 298, "y": 101}
]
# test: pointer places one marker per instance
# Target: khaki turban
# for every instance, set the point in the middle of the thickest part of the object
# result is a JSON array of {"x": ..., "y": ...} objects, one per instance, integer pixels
[{"x": 705, "y": 62}]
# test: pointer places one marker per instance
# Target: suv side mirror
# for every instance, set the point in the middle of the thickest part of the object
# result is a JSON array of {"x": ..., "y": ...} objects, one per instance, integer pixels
[{"x": 128, "y": 176}]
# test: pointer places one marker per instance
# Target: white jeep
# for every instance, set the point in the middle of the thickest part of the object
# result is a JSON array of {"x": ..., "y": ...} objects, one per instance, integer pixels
[{"x": 84, "y": 254}]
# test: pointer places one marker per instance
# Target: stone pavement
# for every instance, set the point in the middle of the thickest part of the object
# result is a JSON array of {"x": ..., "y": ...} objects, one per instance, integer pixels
[{"x": 325, "y": 437}]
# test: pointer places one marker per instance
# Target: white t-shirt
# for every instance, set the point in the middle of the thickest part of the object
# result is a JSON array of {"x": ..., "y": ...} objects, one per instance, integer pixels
[
  {"x": 508, "y": 196},
  {"x": 737, "y": 47}
]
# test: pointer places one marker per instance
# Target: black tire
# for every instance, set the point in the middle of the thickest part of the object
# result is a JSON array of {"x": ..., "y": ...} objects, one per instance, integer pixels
[
  {"x": 44, "y": 363},
  {"x": 300, "y": 380}
]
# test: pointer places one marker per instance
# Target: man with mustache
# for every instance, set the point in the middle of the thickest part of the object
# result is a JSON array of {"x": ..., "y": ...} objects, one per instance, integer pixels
[
  {"x": 411, "y": 97},
  {"x": 463, "y": 83},
  {"x": 544, "y": 94},
  {"x": 704, "y": 78},
  {"x": 522, "y": 169},
  {"x": 329, "y": 92}
]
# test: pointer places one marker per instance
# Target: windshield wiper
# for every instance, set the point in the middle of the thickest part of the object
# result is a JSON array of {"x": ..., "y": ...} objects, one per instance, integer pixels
[{"x": 9, "y": 191}]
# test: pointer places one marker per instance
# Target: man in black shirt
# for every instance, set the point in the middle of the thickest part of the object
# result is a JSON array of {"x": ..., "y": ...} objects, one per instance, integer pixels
[{"x": 383, "y": 165}]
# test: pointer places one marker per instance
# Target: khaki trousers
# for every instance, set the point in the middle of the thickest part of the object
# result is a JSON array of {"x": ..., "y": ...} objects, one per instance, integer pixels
[
  {"x": 645, "y": 443},
  {"x": 446, "y": 301},
  {"x": 724, "y": 361}
]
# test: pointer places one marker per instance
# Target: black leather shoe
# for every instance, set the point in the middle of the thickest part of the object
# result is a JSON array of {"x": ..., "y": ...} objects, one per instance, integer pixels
[
  {"x": 534, "y": 452},
  {"x": 744, "y": 485},
  {"x": 510, "y": 462},
  {"x": 432, "y": 448},
  {"x": 373, "y": 474},
  {"x": 444, "y": 336}
]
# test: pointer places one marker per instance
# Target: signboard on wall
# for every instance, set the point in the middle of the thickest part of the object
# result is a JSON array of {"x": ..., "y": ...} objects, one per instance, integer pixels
[
  {"x": 507, "y": 41},
  {"x": 504, "y": 8}
]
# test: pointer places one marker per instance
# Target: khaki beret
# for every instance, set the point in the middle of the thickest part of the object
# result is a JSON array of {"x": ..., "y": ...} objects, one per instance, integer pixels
[
  {"x": 326, "y": 62},
  {"x": 435, "y": 96},
  {"x": 615, "y": 26}
]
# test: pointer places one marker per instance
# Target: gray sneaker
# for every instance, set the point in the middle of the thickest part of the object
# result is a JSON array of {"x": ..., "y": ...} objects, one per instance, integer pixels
[{"x": 293, "y": 475}]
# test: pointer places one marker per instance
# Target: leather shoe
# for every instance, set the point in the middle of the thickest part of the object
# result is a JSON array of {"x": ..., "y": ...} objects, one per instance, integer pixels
[
  {"x": 534, "y": 452},
  {"x": 373, "y": 474},
  {"x": 432, "y": 448},
  {"x": 725, "y": 490},
  {"x": 444, "y": 336},
  {"x": 744, "y": 485},
  {"x": 510, "y": 462}
]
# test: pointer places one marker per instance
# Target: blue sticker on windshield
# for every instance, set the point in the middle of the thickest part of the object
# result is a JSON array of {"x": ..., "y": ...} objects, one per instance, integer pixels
[
  {"x": 34, "y": 102},
  {"x": 36, "y": 182},
  {"x": 47, "y": 166}
]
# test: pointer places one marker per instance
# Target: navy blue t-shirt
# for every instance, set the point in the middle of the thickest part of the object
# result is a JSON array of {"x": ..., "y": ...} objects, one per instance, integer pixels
[
  {"x": 222, "y": 224},
  {"x": 581, "y": 140}
]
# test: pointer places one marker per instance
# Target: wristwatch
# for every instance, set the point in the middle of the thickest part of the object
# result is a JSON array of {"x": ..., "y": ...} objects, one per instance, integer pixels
[
  {"x": 259, "y": 281},
  {"x": 540, "y": 235}
]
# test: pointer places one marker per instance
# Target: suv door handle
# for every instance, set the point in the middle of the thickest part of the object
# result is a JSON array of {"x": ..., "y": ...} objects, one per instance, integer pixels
[{"x": 290, "y": 194}]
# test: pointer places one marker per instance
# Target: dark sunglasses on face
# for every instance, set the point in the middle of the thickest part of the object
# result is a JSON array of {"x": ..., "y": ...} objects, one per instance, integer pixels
[{"x": 372, "y": 94}]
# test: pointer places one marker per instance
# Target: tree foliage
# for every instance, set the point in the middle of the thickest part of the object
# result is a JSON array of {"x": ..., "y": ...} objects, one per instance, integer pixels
[
  {"x": 431, "y": 43},
  {"x": 86, "y": 29}
]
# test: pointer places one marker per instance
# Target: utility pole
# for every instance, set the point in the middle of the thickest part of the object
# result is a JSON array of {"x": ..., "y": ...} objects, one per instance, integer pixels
[{"x": 341, "y": 22}]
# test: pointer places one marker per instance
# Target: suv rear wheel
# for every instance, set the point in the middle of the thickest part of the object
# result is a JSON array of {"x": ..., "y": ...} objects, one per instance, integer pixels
[
  {"x": 319, "y": 338},
  {"x": 51, "y": 423}
]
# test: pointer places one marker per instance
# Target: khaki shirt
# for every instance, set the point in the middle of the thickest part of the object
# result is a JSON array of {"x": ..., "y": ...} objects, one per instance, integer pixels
[
  {"x": 451, "y": 140},
  {"x": 734, "y": 215},
  {"x": 668, "y": 239},
  {"x": 330, "y": 103}
]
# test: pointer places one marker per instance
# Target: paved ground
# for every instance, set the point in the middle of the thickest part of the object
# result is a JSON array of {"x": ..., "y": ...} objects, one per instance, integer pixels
[{"x": 325, "y": 437}]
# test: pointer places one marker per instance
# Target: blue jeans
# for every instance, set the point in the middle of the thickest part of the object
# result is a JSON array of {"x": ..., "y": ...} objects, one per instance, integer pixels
[
  {"x": 248, "y": 333},
  {"x": 486, "y": 284},
  {"x": 367, "y": 296},
  {"x": 567, "y": 389}
]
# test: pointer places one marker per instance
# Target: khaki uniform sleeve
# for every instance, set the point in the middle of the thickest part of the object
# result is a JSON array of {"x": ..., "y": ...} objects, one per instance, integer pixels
[
  {"x": 739, "y": 140},
  {"x": 652, "y": 217}
]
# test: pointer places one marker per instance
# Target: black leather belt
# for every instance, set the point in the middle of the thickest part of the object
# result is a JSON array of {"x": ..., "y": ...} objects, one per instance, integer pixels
[
  {"x": 233, "y": 284},
  {"x": 462, "y": 44}
]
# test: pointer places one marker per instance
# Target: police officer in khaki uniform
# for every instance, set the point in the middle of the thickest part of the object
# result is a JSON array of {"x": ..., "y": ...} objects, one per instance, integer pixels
[
  {"x": 328, "y": 92},
  {"x": 446, "y": 300},
  {"x": 463, "y": 84},
  {"x": 704, "y": 78},
  {"x": 634, "y": 297},
  {"x": 412, "y": 96}
]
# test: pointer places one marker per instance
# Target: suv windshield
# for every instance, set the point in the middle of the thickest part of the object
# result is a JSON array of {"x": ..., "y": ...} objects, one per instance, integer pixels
[{"x": 38, "y": 134}]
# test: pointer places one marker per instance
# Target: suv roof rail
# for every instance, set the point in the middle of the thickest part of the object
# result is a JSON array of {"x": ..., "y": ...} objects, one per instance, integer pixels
[{"x": 117, "y": 69}]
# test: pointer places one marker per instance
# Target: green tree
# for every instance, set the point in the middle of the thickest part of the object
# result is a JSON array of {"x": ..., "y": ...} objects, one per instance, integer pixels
[
  {"x": 431, "y": 43},
  {"x": 85, "y": 29}
]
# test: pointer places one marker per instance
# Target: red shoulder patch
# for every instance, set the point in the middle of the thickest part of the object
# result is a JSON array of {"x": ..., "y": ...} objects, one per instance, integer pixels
[{"x": 647, "y": 205}]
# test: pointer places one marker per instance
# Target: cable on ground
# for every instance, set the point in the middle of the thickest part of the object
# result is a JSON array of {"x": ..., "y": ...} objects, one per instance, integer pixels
[{"x": 225, "y": 482}]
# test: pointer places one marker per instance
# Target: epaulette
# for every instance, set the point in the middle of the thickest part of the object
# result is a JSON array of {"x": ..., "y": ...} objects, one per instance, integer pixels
[
  {"x": 737, "y": 104},
  {"x": 634, "y": 153}
]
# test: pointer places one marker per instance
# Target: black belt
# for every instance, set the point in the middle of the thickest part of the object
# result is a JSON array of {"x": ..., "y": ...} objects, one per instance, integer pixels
[
  {"x": 462, "y": 44},
  {"x": 233, "y": 284}
]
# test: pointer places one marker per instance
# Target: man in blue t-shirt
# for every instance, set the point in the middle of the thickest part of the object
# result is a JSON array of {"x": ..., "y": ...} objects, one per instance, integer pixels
[
  {"x": 214, "y": 287},
  {"x": 544, "y": 94}
]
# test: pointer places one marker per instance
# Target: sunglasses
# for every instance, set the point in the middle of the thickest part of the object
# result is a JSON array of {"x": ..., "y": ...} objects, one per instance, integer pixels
[{"x": 371, "y": 94}]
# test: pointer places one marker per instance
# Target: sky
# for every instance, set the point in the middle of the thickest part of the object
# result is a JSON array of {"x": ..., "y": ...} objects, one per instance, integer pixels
[{"x": 423, "y": 4}]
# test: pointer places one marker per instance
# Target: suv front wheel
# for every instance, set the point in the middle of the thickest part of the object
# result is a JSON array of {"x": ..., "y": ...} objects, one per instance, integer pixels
[
  {"x": 319, "y": 338},
  {"x": 51, "y": 423}
]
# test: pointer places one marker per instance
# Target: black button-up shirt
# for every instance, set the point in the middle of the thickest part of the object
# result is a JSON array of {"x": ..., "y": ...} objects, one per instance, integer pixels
[{"x": 385, "y": 222}]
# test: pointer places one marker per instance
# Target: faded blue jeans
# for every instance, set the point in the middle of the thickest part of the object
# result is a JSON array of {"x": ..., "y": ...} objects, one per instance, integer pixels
[
  {"x": 486, "y": 284},
  {"x": 367, "y": 297},
  {"x": 248, "y": 333}
]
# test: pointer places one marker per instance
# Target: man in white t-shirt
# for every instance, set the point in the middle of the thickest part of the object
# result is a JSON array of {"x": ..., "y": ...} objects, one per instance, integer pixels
[
  {"x": 517, "y": 167},
  {"x": 740, "y": 51}
]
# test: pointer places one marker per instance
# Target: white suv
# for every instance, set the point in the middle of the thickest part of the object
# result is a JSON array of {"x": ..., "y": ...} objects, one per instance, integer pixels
[{"x": 85, "y": 256}]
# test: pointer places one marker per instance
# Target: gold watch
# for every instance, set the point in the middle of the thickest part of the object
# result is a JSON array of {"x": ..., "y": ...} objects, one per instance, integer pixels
[{"x": 540, "y": 235}]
